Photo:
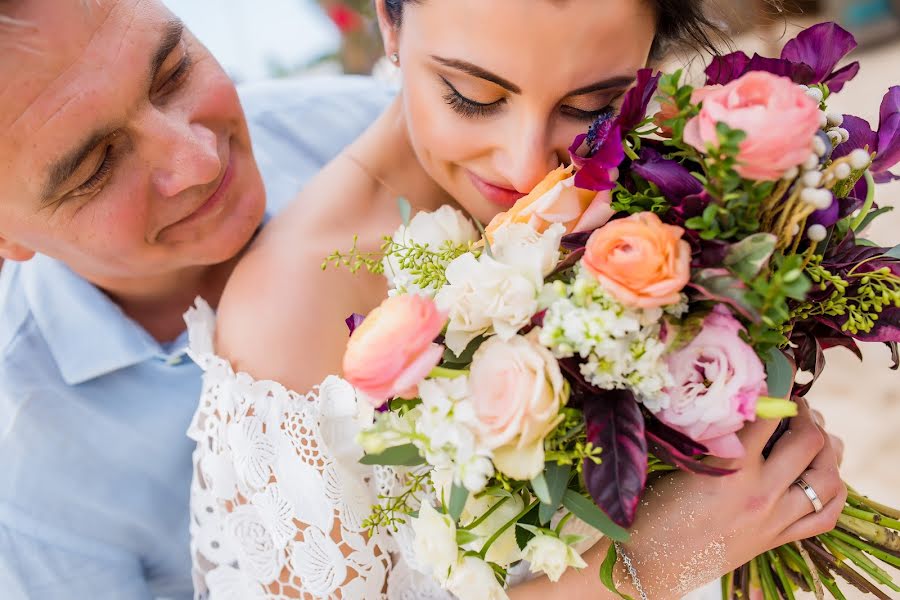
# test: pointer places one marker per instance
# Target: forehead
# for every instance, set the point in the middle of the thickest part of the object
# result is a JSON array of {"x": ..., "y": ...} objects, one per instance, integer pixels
[
  {"x": 537, "y": 43},
  {"x": 64, "y": 62}
]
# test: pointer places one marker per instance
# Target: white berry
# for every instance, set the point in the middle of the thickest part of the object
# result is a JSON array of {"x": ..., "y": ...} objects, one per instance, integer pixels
[
  {"x": 816, "y": 232},
  {"x": 842, "y": 171},
  {"x": 859, "y": 159},
  {"x": 815, "y": 94},
  {"x": 812, "y": 179},
  {"x": 791, "y": 174},
  {"x": 819, "y": 146},
  {"x": 835, "y": 119},
  {"x": 811, "y": 163}
]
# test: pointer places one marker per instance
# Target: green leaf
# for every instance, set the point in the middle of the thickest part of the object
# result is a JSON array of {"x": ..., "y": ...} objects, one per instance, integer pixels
[
  {"x": 778, "y": 373},
  {"x": 539, "y": 484},
  {"x": 458, "y": 497},
  {"x": 497, "y": 492},
  {"x": 464, "y": 536},
  {"x": 406, "y": 455},
  {"x": 748, "y": 257},
  {"x": 606, "y": 571},
  {"x": 405, "y": 210},
  {"x": 534, "y": 530},
  {"x": 871, "y": 216},
  {"x": 523, "y": 535},
  {"x": 893, "y": 252},
  {"x": 556, "y": 477},
  {"x": 466, "y": 357},
  {"x": 591, "y": 514}
]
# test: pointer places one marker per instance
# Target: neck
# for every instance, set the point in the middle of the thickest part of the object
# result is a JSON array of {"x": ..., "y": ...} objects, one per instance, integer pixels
[
  {"x": 158, "y": 303},
  {"x": 392, "y": 162}
]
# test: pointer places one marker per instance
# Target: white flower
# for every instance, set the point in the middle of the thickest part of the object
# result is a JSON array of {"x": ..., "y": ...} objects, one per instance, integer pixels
[
  {"x": 433, "y": 230},
  {"x": 552, "y": 556},
  {"x": 504, "y": 551},
  {"x": 473, "y": 579},
  {"x": 435, "y": 541},
  {"x": 498, "y": 293}
]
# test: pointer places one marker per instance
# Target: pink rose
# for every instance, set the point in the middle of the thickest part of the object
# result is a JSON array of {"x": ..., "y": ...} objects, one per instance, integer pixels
[
  {"x": 517, "y": 393},
  {"x": 394, "y": 350},
  {"x": 779, "y": 119},
  {"x": 718, "y": 379}
]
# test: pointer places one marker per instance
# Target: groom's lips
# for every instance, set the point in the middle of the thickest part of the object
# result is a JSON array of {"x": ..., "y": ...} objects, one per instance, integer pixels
[
  {"x": 503, "y": 197},
  {"x": 217, "y": 198}
]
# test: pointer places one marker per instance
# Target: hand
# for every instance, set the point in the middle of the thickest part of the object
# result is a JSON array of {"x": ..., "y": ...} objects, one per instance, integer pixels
[{"x": 693, "y": 529}]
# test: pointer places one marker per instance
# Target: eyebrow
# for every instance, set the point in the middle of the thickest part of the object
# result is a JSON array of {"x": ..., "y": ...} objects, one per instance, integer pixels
[
  {"x": 617, "y": 81},
  {"x": 63, "y": 169}
]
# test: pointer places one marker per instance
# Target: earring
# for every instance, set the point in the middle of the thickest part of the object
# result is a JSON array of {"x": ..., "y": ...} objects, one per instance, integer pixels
[{"x": 395, "y": 58}]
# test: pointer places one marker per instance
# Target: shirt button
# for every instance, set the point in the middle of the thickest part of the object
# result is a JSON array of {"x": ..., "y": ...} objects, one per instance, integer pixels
[{"x": 174, "y": 361}]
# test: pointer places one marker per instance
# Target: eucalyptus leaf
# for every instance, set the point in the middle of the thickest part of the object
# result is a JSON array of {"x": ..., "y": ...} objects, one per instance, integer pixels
[
  {"x": 748, "y": 257},
  {"x": 588, "y": 512},
  {"x": 893, "y": 252},
  {"x": 779, "y": 374},
  {"x": 405, "y": 210},
  {"x": 539, "y": 485},
  {"x": 458, "y": 497},
  {"x": 872, "y": 216},
  {"x": 556, "y": 477},
  {"x": 406, "y": 455}
]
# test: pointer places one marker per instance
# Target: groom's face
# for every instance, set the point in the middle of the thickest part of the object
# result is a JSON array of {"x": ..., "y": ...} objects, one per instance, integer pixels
[{"x": 125, "y": 152}]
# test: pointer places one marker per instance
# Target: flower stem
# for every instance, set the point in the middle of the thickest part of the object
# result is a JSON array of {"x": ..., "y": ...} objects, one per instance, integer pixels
[
  {"x": 882, "y": 536},
  {"x": 878, "y": 553},
  {"x": 872, "y": 518},
  {"x": 445, "y": 373},
  {"x": 775, "y": 408},
  {"x": 506, "y": 526},
  {"x": 870, "y": 200}
]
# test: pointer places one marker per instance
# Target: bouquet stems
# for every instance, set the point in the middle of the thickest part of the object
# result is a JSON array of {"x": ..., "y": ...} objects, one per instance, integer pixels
[{"x": 860, "y": 549}]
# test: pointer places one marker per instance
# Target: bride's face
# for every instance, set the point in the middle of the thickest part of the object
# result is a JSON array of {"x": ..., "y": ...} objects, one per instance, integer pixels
[{"x": 495, "y": 91}]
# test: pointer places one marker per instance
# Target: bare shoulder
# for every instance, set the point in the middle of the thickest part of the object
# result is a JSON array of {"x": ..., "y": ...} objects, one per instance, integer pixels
[{"x": 281, "y": 316}]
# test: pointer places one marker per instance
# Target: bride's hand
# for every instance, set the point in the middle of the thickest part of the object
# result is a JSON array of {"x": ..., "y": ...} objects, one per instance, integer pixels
[{"x": 693, "y": 529}]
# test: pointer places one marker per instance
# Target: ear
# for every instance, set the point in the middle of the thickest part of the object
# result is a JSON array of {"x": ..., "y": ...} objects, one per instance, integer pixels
[
  {"x": 13, "y": 251},
  {"x": 389, "y": 31}
]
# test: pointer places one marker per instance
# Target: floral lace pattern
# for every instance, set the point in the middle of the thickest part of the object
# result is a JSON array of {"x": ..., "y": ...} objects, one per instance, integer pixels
[{"x": 278, "y": 496}]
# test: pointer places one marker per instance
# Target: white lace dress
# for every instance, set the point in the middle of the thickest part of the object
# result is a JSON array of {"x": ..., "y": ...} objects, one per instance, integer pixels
[{"x": 278, "y": 496}]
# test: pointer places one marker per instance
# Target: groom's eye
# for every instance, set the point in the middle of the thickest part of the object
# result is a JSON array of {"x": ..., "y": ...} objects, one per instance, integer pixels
[{"x": 175, "y": 76}]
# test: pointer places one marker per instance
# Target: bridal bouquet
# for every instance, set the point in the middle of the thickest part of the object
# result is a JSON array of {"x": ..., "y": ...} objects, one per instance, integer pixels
[{"x": 627, "y": 318}]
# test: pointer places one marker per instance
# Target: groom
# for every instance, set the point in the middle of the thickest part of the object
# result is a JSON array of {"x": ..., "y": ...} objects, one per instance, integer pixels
[{"x": 128, "y": 186}]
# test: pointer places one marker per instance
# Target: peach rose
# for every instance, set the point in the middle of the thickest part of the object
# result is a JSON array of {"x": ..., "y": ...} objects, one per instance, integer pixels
[
  {"x": 779, "y": 119},
  {"x": 517, "y": 393},
  {"x": 640, "y": 260},
  {"x": 394, "y": 350},
  {"x": 557, "y": 200}
]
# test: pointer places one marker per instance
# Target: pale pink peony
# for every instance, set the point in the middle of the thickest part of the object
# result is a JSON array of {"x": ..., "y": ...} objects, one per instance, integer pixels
[
  {"x": 718, "y": 379},
  {"x": 394, "y": 350},
  {"x": 779, "y": 119},
  {"x": 640, "y": 260}
]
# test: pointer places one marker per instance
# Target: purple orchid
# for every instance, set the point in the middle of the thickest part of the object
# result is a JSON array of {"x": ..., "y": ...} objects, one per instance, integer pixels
[
  {"x": 809, "y": 58},
  {"x": 597, "y": 153},
  {"x": 671, "y": 177},
  {"x": 885, "y": 143}
]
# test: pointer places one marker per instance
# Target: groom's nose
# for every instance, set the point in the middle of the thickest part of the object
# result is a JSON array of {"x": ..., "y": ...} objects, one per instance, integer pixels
[{"x": 181, "y": 154}]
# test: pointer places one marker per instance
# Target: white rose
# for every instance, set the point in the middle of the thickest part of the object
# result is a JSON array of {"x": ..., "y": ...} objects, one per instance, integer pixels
[
  {"x": 435, "y": 541},
  {"x": 498, "y": 292},
  {"x": 474, "y": 579},
  {"x": 517, "y": 391},
  {"x": 552, "y": 556},
  {"x": 504, "y": 551},
  {"x": 432, "y": 230},
  {"x": 520, "y": 246}
]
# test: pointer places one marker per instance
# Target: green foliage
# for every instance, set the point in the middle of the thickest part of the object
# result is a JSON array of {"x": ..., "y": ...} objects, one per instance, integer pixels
[{"x": 393, "y": 511}]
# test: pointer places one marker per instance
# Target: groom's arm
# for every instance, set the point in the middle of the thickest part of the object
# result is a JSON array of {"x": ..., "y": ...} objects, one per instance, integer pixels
[{"x": 31, "y": 568}]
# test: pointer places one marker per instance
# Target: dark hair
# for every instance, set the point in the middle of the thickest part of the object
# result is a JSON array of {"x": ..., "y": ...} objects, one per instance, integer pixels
[{"x": 678, "y": 22}]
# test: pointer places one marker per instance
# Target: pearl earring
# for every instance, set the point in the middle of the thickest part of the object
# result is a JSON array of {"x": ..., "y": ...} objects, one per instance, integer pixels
[{"x": 395, "y": 58}]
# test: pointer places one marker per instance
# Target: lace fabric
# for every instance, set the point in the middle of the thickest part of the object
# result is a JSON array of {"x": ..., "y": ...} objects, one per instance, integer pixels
[{"x": 278, "y": 496}]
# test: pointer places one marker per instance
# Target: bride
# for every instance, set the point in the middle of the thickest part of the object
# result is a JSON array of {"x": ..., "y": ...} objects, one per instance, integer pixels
[{"x": 493, "y": 94}]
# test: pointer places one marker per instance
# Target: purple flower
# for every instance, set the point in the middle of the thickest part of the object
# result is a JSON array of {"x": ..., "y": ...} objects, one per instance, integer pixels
[
  {"x": 603, "y": 151},
  {"x": 885, "y": 143},
  {"x": 673, "y": 179},
  {"x": 809, "y": 58}
]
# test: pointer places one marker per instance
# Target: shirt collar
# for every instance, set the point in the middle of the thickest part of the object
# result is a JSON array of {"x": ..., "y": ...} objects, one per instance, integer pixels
[{"x": 87, "y": 333}]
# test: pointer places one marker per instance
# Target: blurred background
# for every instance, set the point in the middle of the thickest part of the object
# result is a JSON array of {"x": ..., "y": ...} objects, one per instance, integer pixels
[{"x": 861, "y": 403}]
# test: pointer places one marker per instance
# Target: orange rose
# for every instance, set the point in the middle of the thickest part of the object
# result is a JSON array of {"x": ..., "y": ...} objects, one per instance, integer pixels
[
  {"x": 639, "y": 260},
  {"x": 557, "y": 200}
]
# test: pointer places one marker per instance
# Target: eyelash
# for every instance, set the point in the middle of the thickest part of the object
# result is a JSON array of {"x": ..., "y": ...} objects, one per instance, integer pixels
[
  {"x": 471, "y": 109},
  {"x": 99, "y": 177}
]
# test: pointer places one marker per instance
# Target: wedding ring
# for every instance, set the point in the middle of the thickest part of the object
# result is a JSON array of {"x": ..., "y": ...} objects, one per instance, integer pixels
[{"x": 811, "y": 494}]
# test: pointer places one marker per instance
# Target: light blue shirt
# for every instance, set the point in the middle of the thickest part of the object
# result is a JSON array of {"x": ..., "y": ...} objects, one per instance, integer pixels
[{"x": 95, "y": 466}]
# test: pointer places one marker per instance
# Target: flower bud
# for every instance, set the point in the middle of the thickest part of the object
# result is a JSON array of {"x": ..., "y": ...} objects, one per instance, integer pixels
[
  {"x": 812, "y": 179},
  {"x": 835, "y": 119},
  {"x": 816, "y": 233},
  {"x": 842, "y": 171},
  {"x": 811, "y": 163},
  {"x": 845, "y": 135},
  {"x": 859, "y": 159},
  {"x": 791, "y": 174},
  {"x": 815, "y": 94},
  {"x": 819, "y": 146},
  {"x": 834, "y": 136},
  {"x": 823, "y": 119}
]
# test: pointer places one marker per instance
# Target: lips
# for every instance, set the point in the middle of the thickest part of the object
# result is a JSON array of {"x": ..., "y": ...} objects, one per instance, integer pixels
[{"x": 503, "y": 197}]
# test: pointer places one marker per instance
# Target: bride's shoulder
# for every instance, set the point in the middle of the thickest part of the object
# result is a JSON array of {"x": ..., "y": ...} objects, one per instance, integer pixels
[{"x": 281, "y": 316}]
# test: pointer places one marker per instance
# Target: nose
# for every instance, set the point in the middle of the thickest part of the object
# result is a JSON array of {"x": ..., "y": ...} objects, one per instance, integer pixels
[
  {"x": 181, "y": 154},
  {"x": 527, "y": 155}
]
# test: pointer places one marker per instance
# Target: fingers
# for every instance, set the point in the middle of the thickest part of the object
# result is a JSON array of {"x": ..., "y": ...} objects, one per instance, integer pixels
[
  {"x": 797, "y": 448},
  {"x": 815, "y": 523},
  {"x": 838, "y": 445}
]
